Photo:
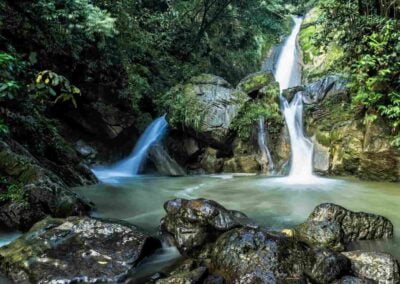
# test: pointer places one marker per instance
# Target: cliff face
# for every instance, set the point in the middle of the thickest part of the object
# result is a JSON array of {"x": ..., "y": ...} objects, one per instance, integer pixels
[{"x": 346, "y": 142}]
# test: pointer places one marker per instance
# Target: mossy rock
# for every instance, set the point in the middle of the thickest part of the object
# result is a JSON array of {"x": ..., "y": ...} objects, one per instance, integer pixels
[{"x": 256, "y": 81}]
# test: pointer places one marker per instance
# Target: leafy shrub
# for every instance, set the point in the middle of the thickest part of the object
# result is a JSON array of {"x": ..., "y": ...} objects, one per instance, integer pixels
[
  {"x": 251, "y": 112},
  {"x": 48, "y": 83}
]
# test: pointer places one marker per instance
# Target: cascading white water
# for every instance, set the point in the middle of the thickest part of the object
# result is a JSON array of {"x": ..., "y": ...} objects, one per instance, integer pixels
[
  {"x": 266, "y": 158},
  {"x": 301, "y": 146},
  {"x": 288, "y": 67},
  {"x": 130, "y": 166},
  {"x": 288, "y": 74}
]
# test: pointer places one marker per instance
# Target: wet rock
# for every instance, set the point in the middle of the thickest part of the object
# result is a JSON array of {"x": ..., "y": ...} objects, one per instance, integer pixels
[
  {"x": 42, "y": 192},
  {"x": 242, "y": 164},
  {"x": 331, "y": 85},
  {"x": 190, "y": 224},
  {"x": 247, "y": 255},
  {"x": 291, "y": 92},
  {"x": 189, "y": 272},
  {"x": 380, "y": 267},
  {"x": 321, "y": 234},
  {"x": 354, "y": 225},
  {"x": 163, "y": 162},
  {"x": 75, "y": 250},
  {"x": 210, "y": 163},
  {"x": 354, "y": 280},
  {"x": 321, "y": 158},
  {"x": 214, "y": 279},
  {"x": 191, "y": 277},
  {"x": 191, "y": 146},
  {"x": 327, "y": 266},
  {"x": 85, "y": 151}
]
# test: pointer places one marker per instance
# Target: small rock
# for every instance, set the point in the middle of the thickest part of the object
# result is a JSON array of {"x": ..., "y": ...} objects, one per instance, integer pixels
[
  {"x": 377, "y": 266},
  {"x": 187, "y": 277},
  {"x": 85, "y": 150},
  {"x": 353, "y": 280},
  {"x": 321, "y": 234},
  {"x": 328, "y": 266}
]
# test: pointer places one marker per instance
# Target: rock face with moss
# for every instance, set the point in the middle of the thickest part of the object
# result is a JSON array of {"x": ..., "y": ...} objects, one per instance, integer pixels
[
  {"x": 30, "y": 192},
  {"x": 74, "y": 250},
  {"x": 223, "y": 123},
  {"x": 206, "y": 105},
  {"x": 346, "y": 143},
  {"x": 316, "y": 62}
]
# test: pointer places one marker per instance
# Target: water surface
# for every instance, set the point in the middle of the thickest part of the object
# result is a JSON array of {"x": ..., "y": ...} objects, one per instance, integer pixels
[{"x": 274, "y": 202}]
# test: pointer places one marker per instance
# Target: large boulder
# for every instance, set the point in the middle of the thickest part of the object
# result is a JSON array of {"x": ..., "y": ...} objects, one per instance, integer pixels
[
  {"x": 254, "y": 83},
  {"x": 190, "y": 224},
  {"x": 211, "y": 106},
  {"x": 247, "y": 255},
  {"x": 40, "y": 192},
  {"x": 380, "y": 267},
  {"x": 75, "y": 250},
  {"x": 332, "y": 226}
]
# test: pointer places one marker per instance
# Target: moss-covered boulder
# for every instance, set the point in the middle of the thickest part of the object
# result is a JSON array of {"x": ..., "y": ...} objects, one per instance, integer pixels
[
  {"x": 205, "y": 106},
  {"x": 255, "y": 82},
  {"x": 75, "y": 250},
  {"x": 40, "y": 192}
]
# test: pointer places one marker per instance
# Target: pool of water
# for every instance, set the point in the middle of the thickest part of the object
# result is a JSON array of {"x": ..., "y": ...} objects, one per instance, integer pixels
[{"x": 274, "y": 202}]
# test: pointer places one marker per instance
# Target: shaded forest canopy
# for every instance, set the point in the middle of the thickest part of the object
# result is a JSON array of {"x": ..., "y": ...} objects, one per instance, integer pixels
[{"x": 130, "y": 52}]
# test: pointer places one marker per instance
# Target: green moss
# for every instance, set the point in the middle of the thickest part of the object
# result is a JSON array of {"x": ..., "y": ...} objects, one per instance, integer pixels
[
  {"x": 317, "y": 61},
  {"x": 256, "y": 82},
  {"x": 11, "y": 191},
  {"x": 251, "y": 112}
]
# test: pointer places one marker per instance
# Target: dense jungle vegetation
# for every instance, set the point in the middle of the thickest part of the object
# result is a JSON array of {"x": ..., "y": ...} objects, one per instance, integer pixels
[
  {"x": 58, "y": 53},
  {"x": 363, "y": 38}
]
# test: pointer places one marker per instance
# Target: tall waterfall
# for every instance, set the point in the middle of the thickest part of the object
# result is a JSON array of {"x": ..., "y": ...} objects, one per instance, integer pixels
[
  {"x": 130, "y": 166},
  {"x": 266, "y": 159},
  {"x": 288, "y": 74}
]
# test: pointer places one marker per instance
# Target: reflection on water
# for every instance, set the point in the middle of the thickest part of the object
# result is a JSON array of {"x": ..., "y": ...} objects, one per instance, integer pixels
[{"x": 269, "y": 201}]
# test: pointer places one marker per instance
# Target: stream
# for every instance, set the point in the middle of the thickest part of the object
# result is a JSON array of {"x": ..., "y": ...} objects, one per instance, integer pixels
[{"x": 269, "y": 201}]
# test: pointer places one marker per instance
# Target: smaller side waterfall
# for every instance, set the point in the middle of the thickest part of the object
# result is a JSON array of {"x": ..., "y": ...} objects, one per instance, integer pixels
[
  {"x": 301, "y": 146},
  {"x": 267, "y": 163},
  {"x": 130, "y": 166}
]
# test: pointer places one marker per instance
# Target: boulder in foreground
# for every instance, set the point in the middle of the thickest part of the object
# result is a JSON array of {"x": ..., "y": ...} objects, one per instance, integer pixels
[
  {"x": 190, "y": 224},
  {"x": 333, "y": 226},
  {"x": 376, "y": 266},
  {"x": 75, "y": 250}
]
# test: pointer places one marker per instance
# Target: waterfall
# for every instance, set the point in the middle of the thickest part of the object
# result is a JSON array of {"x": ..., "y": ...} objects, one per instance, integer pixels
[
  {"x": 266, "y": 159},
  {"x": 288, "y": 74},
  {"x": 130, "y": 166},
  {"x": 301, "y": 146},
  {"x": 288, "y": 67}
]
